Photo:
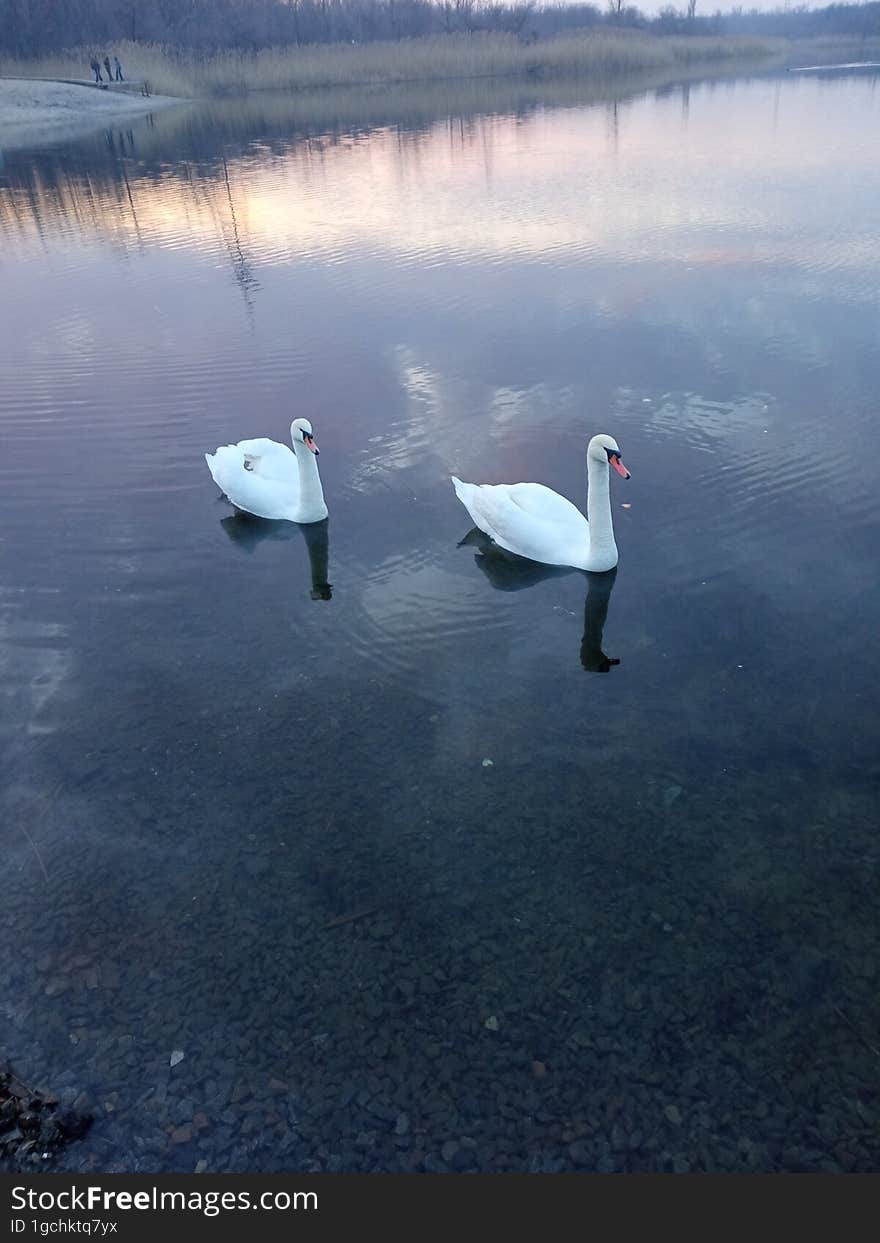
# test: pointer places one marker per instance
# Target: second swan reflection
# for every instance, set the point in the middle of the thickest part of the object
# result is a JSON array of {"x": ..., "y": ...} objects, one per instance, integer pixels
[
  {"x": 247, "y": 532},
  {"x": 511, "y": 573}
]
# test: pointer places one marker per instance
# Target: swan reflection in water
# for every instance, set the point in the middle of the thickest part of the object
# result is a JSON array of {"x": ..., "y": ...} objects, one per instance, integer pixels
[
  {"x": 247, "y": 532},
  {"x": 507, "y": 572}
]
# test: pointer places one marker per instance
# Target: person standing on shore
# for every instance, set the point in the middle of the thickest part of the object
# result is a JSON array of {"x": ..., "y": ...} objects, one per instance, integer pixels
[
  {"x": 107, "y": 67},
  {"x": 118, "y": 68},
  {"x": 96, "y": 69}
]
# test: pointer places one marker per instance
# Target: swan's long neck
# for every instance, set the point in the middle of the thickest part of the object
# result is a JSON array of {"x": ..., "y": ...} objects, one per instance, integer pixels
[
  {"x": 599, "y": 508},
  {"x": 311, "y": 494}
]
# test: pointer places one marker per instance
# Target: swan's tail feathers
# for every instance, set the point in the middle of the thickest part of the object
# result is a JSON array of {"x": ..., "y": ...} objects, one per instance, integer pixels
[
  {"x": 224, "y": 464},
  {"x": 213, "y": 464},
  {"x": 467, "y": 494}
]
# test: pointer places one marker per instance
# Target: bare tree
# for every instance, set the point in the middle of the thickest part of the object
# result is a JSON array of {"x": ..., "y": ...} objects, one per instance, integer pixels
[{"x": 464, "y": 11}]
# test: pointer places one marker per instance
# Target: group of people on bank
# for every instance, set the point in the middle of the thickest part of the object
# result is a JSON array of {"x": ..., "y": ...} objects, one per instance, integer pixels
[{"x": 96, "y": 69}]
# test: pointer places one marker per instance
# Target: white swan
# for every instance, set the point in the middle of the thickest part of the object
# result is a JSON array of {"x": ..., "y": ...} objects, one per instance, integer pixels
[
  {"x": 265, "y": 478},
  {"x": 535, "y": 522}
]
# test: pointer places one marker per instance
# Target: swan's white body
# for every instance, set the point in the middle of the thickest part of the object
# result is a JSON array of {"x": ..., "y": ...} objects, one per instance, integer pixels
[
  {"x": 535, "y": 522},
  {"x": 270, "y": 480}
]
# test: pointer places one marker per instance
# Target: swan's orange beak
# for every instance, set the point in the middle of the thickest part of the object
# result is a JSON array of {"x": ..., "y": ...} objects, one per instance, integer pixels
[
  {"x": 615, "y": 461},
  {"x": 309, "y": 442}
]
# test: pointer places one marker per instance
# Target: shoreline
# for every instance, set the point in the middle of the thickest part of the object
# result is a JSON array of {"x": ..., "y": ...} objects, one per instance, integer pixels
[
  {"x": 36, "y": 112},
  {"x": 42, "y": 111}
]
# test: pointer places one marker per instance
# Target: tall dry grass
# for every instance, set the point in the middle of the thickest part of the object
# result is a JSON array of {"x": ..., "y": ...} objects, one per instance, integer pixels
[
  {"x": 593, "y": 54},
  {"x": 170, "y": 71}
]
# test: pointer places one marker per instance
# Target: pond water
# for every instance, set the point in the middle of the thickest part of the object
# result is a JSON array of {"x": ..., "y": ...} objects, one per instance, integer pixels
[{"x": 360, "y": 822}]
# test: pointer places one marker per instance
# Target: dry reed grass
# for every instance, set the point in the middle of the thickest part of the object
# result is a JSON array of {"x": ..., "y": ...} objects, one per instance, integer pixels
[
  {"x": 171, "y": 71},
  {"x": 588, "y": 54}
]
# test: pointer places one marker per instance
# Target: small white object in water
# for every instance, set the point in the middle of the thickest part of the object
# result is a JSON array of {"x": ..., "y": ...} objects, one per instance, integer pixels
[
  {"x": 177, "y": 1056},
  {"x": 487, "y": 763},
  {"x": 491, "y": 1023}
]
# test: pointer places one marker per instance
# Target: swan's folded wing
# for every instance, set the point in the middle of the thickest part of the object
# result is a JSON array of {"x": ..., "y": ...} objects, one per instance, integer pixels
[
  {"x": 527, "y": 519},
  {"x": 269, "y": 459},
  {"x": 259, "y": 446},
  {"x": 544, "y": 504},
  {"x": 267, "y": 498}
]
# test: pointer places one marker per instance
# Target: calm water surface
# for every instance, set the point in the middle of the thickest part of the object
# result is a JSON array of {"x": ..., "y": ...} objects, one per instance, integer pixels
[{"x": 409, "y": 882}]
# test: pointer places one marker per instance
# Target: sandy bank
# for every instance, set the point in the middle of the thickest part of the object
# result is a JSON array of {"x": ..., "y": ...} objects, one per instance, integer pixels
[{"x": 35, "y": 111}]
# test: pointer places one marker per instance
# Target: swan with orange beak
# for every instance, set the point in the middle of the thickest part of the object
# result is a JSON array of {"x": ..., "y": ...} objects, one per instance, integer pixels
[
  {"x": 268, "y": 479},
  {"x": 533, "y": 521}
]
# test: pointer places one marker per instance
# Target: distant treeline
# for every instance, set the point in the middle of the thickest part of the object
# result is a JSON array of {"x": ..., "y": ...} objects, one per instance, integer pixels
[{"x": 35, "y": 27}]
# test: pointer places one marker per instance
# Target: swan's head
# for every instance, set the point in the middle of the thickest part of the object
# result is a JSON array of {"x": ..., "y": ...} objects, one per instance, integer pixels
[
  {"x": 301, "y": 434},
  {"x": 605, "y": 449}
]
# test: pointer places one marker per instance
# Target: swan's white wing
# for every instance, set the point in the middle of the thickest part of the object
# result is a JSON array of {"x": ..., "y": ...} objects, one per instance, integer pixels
[
  {"x": 260, "y": 446},
  {"x": 269, "y": 459},
  {"x": 543, "y": 504},
  {"x": 528, "y": 519},
  {"x": 250, "y": 489}
]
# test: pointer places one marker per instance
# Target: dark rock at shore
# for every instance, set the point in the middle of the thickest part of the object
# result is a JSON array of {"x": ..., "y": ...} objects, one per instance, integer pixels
[{"x": 33, "y": 1128}]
